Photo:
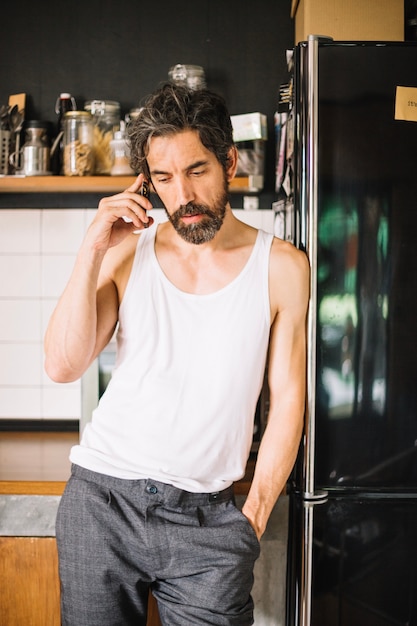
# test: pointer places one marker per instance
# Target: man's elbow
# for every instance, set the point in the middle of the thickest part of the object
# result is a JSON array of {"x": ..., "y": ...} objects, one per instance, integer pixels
[{"x": 59, "y": 372}]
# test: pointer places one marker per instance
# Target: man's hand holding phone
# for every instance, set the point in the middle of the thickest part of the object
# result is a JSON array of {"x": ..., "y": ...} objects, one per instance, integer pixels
[{"x": 122, "y": 214}]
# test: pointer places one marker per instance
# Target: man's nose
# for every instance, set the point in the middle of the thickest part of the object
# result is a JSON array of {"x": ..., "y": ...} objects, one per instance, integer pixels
[{"x": 185, "y": 192}]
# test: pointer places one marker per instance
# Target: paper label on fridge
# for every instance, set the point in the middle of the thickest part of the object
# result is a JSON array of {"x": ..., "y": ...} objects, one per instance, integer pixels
[{"x": 406, "y": 104}]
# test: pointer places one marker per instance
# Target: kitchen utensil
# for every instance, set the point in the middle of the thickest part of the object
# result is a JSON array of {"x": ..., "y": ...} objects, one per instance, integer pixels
[
  {"x": 34, "y": 157},
  {"x": 4, "y": 151},
  {"x": 4, "y": 117},
  {"x": 16, "y": 119}
]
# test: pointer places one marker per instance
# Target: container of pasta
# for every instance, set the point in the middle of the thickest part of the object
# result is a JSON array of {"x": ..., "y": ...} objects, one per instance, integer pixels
[
  {"x": 106, "y": 118},
  {"x": 78, "y": 159}
]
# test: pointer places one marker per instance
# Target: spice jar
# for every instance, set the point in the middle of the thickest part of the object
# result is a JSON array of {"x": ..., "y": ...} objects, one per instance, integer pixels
[
  {"x": 106, "y": 118},
  {"x": 78, "y": 144}
]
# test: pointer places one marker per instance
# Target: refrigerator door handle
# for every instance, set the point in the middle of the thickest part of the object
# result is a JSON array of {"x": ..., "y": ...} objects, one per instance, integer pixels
[
  {"x": 310, "y": 495},
  {"x": 311, "y": 212}
]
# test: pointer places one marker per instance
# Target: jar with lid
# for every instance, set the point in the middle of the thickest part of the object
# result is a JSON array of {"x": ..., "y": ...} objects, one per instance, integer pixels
[
  {"x": 191, "y": 76},
  {"x": 106, "y": 118},
  {"x": 78, "y": 144}
]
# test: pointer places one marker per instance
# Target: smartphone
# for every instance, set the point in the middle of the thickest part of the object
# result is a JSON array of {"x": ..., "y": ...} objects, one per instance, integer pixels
[{"x": 144, "y": 190}]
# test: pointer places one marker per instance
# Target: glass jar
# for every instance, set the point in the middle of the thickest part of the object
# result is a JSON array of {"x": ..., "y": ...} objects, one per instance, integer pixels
[
  {"x": 78, "y": 144},
  {"x": 191, "y": 76},
  {"x": 120, "y": 153},
  {"x": 106, "y": 118}
]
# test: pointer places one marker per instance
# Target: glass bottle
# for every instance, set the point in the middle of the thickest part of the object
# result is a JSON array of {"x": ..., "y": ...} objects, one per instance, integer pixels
[
  {"x": 120, "y": 153},
  {"x": 64, "y": 103}
]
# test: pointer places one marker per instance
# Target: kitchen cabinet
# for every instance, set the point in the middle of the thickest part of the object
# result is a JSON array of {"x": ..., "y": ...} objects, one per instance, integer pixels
[
  {"x": 30, "y": 584},
  {"x": 29, "y": 581}
]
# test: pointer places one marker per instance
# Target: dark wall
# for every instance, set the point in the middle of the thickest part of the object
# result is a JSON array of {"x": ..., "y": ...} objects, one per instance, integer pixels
[{"x": 122, "y": 49}]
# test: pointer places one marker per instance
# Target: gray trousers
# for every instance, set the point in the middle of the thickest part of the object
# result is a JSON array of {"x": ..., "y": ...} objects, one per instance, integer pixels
[{"x": 119, "y": 538}]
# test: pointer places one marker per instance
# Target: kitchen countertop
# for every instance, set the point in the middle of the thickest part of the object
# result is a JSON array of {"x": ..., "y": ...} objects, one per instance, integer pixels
[{"x": 28, "y": 516}]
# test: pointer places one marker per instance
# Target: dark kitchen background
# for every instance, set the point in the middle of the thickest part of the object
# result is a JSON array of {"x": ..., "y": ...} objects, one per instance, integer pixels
[{"x": 101, "y": 49}]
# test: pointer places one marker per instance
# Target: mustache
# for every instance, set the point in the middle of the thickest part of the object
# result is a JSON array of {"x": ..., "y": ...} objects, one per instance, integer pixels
[{"x": 192, "y": 209}]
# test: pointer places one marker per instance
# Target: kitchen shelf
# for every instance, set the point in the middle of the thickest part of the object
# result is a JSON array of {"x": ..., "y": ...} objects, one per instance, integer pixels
[
  {"x": 64, "y": 184},
  {"x": 247, "y": 184},
  {"x": 99, "y": 184}
]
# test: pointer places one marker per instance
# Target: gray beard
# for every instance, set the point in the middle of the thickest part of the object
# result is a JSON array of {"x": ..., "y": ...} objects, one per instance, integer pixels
[{"x": 206, "y": 229}]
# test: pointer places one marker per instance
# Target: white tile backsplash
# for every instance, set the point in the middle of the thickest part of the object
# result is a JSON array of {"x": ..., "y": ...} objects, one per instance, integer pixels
[
  {"x": 20, "y": 402},
  {"x": 62, "y": 231},
  {"x": 61, "y": 402},
  {"x": 20, "y": 231},
  {"x": 20, "y": 364},
  {"x": 20, "y": 320},
  {"x": 37, "y": 254},
  {"x": 56, "y": 271},
  {"x": 20, "y": 276}
]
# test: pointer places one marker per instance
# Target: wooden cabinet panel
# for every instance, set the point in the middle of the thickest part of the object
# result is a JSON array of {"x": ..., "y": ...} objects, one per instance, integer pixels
[{"x": 29, "y": 583}]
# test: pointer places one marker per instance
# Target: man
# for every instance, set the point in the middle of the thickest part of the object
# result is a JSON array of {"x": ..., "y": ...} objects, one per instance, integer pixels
[{"x": 198, "y": 301}]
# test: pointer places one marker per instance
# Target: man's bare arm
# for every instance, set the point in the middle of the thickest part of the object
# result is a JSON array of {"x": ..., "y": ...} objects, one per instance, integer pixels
[
  {"x": 289, "y": 288},
  {"x": 87, "y": 312}
]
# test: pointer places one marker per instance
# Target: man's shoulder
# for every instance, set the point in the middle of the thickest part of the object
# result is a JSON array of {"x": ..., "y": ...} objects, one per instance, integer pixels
[
  {"x": 286, "y": 251},
  {"x": 289, "y": 265}
]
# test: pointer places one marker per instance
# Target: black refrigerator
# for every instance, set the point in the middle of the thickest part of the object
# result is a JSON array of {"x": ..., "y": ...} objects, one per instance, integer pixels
[{"x": 352, "y": 546}]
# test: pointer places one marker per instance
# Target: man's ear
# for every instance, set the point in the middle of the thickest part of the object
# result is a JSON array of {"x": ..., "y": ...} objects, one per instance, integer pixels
[{"x": 231, "y": 163}]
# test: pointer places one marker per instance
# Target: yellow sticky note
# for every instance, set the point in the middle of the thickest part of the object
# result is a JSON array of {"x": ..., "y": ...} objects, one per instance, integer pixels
[{"x": 406, "y": 104}]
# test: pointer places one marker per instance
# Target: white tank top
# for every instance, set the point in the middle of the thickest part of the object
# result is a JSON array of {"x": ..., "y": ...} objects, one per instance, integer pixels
[{"x": 181, "y": 402}]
